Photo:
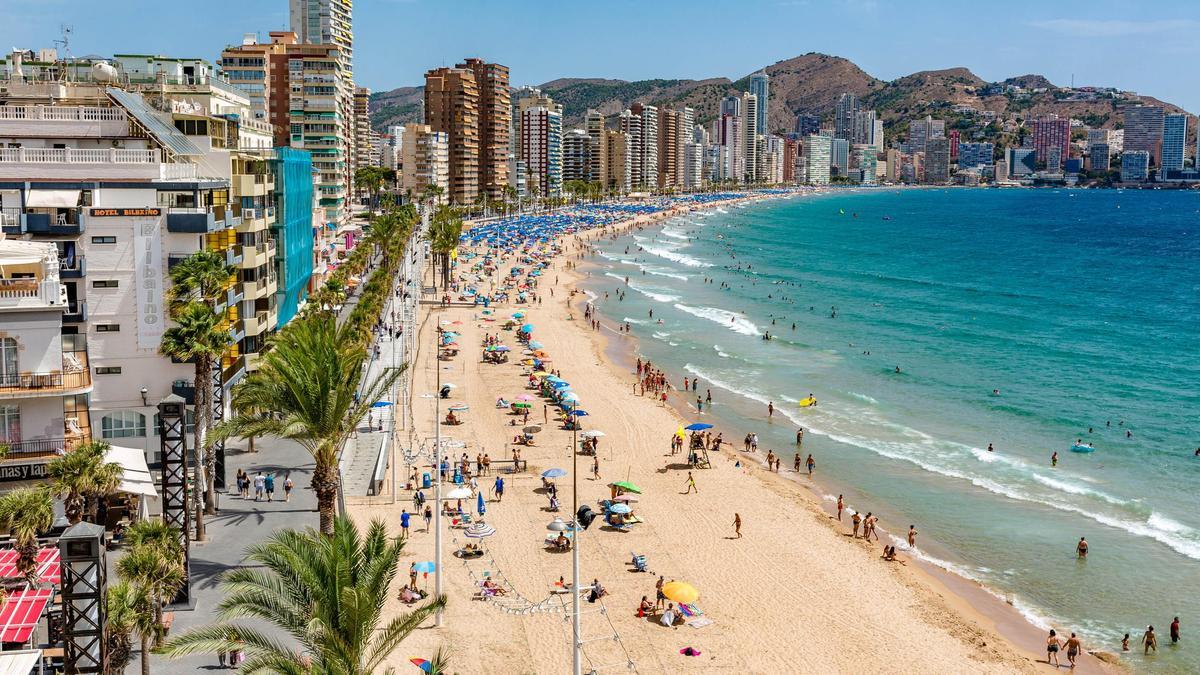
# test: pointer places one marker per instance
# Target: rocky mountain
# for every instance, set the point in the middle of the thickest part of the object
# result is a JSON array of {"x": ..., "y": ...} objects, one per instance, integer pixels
[{"x": 811, "y": 84}]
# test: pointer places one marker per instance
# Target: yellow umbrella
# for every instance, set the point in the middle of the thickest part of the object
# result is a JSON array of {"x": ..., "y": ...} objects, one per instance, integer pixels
[
  {"x": 678, "y": 591},
  {"x": 679, "y": 431},
  {"x": 539, "y": 374}
]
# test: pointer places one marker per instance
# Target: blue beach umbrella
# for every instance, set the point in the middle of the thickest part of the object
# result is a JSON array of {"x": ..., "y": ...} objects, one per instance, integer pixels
[
  {"x": 560, "y": 384},
  {"x": 578, "y": 413},
  {"x": 480, "y": 507},
  {"x": 534, "y": 344},
  {"x": 527, "y": 328},
  {"x": 698, "y": 426},
  {"x": 554, "y": 473},
  {"x": 620, "y": 508},
  {"x": 425, "y": 567},
  {"x": 381, "y": 404}
]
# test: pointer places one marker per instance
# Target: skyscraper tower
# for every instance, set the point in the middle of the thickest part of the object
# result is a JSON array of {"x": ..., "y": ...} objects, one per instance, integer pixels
[
  {"x": 760, "y": 85},
  {"x": 495, "y": 124},
  {"x": 843, "y": 116},
  {"x": 321, "y": 22},
  {"x": 750, "y": 137}
]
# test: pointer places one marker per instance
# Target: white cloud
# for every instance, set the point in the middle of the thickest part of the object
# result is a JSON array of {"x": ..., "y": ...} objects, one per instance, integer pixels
[{"x": 1114, "y": 28}]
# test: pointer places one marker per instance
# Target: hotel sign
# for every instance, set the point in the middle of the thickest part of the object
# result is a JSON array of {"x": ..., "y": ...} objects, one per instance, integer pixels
[
  {"x": 126, "y": 213},
  {"x": 148, "y": 274},
  {"x": 12, "y": 473}
]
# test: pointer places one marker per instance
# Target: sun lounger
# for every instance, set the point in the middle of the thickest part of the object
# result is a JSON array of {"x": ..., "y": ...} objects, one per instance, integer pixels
[{"x": 639, "y": 562}]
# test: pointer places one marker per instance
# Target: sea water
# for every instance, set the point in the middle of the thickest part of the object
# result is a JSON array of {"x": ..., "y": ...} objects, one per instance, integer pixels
[{"x": 1024, "y": 319}]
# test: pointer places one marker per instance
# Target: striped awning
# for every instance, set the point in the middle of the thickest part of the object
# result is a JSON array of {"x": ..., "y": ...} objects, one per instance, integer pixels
[
  {"x": 21, "y": 613},
  {"x": 48, "y": 568}
]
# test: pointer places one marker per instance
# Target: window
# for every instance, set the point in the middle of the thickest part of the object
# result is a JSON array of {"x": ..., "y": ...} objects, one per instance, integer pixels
[
  {"x": 105, "y": 283},
  {"x": 104, "y": 240},
  {"x": 108, "y": 370},
  {"x": 8, "y": 360},
  {"x": 10, "y": 424},
  {"x": 108, "y": 328},
  {"x": 123, "y": 424}
]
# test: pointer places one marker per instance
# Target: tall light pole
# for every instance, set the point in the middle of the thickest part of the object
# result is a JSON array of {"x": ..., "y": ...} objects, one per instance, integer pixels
[
  {"x": 437, "y": 469},
  {"x": 576, "y": 638}
]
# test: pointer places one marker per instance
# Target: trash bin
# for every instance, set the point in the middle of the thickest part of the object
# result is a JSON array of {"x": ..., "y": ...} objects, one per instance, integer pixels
[{"x": 426, "y": 480}]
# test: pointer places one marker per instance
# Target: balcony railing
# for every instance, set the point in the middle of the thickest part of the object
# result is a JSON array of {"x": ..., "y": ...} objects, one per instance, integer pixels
[
  {"x": 62, "y": 113},
  {"x": 80, "y": 156},
  {"x": 42, "y": 447},
  {"x": 74, "y": 376}
]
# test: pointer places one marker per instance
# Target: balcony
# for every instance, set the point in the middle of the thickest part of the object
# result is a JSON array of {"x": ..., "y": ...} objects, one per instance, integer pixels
[
  {"x": 54, "y": 221},
  {"x": 257, "y": 255},
  {"x": 72, "y": 268},
  {"x": 42, "y": 448},
  {"x": 31, "y": 293},
  {"x": 11, "y": 221},
  {"x": 74, "y": 378},
  {"x": 255, "y": 220},
  {"x": 200, "y": 220},
  {"x": 255, "y": 290},
  {"x": 258, "y": 323},
  {"x": 76, "y": 312},
  {"x": 253, "y": 185},
  {"x": 90, "y": 164},
  {"x": 44, "y": 121}
]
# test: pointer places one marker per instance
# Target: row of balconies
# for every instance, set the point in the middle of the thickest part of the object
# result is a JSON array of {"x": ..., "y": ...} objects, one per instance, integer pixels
[
  {"x": 75, "y": 377},
  {"x": 257, "y": 255},
  {"x": 44, "y": 121},
  {"x": 90, "y": 164}
]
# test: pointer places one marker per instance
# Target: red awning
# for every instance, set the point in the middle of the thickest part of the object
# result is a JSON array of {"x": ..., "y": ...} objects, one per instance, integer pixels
[
  {"x": 48, "y": 568},
  {"x": 21, "y": 613}
]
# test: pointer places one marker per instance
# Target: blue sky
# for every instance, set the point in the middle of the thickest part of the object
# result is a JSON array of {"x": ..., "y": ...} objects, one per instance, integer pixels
[{"x": 1148, "y": 47}]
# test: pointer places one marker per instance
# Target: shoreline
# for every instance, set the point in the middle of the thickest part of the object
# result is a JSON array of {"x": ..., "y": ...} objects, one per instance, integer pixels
[{"x": 978, "y": 602}]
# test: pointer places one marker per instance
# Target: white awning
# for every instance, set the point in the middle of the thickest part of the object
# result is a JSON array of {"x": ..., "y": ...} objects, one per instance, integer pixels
[
  {"x": 20, "y": 662},
  {"x": 53, "y": 198},
  {"x": 137, "y": 479},
  {"x": 10, "y": 199}
]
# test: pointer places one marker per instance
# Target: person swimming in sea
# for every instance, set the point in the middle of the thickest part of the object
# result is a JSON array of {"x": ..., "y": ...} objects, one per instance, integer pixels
[{"x": 1054, "y": 459}]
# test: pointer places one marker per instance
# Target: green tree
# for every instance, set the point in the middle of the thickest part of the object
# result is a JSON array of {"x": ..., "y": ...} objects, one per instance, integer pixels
[
  {"x": 26, "y": 512},
  {"x": 130, "y": 611},
  {"x": 197, "y": 336},
  {"x": 326, "y": 592},
  {"x": 153, "y": 563},
  {"x": 306, "y": 390},
  {"x": 371, "y": 179},
  {"x": 81, "y": 476},
  {"x": 444, "y": 233}
]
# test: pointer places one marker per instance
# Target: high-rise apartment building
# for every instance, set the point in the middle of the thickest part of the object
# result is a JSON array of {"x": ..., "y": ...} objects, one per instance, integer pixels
[
  {"x": 598, "y": 146},
  {"x": 750, "y": 145},
  {"x": 921, "y": 130},
  {"x": 1174, "y": 144},
  {"x": 647, "y": 157},
  {"x": 452, "y": 107},
  {"x": 617, "y": 161},
  {"x": 1099, "y": 157},
  {"x": 791, "y": 150},
  {"x": 326, "y": 22},
  {"x": 807, "y": 125},
  {"x": 425, "y": 163},
  {"x": 864, "y": 128},
  {"x": 1021, "y": 161},
  {"x": 1135, "y": 166},
  {"x": 760, "y": 86},
  {"x": 1051, "y": 132},
  {"x": 844, "y": 116},
  {"x": 577, "y": 156},
  {"x": 1144, "y": 130},
  {"x": 937, "y": 160},
  {"x": 669, "y": 174},
  {"x": 303, "y": 91},
  {"x": 362, "y": 126},
  {"x": 975, "y": 155},
  {"x": 495, "y": 122},
  {"x": 630, "y": 124},
  {"x": 817, "y": 154},
  {"x": 683, "y": 136},
  {"x": 541, "y": 143}
]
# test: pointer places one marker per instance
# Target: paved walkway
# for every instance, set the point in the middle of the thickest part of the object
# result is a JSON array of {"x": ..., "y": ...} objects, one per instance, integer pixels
[{"x": 241, "y": 523}]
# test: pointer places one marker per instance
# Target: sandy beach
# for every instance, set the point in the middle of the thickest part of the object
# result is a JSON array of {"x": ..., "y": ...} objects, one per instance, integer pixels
[{"x": 794, "y": 594}]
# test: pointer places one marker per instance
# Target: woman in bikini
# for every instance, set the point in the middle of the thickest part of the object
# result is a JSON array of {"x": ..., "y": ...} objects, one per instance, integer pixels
[{"x": 1052, "y": 645}]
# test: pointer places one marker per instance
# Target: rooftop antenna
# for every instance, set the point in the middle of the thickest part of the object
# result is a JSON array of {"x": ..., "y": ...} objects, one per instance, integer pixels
[{"x": 65, "y": 41}]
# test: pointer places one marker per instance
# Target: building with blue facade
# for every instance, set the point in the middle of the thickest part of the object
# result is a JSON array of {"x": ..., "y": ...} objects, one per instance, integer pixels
[
  {"x": 293, "y": 228},
  {"x": 975, "y": 155}
]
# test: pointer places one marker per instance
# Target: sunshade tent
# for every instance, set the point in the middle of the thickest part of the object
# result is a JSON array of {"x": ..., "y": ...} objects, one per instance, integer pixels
[
  {"x": 425, "y": 567},
  {"x": 479, "y": 531},
  {"x": 698, "y": 426},
  {"x": 554, "y": 473},
  {"x": 627, "y": 486},
  {"x": 459, "y": 493}
]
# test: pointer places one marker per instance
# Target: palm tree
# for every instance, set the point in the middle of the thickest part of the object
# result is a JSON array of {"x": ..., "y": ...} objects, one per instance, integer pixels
[
  {"x": 432, "y": 193},
  {"x": 370, "y": 179},
  {"x": 306, "y": 390},
  {"x": 25, "y": 512},
  {"x": 82, "y": 475},
  {"x": 444, "y": 233},
  {"x": 154, "y": 563},
  {"x": 327, "y": 593},
  {"x": 198, "y": 337},
  {"x": 129, "y": 611}
]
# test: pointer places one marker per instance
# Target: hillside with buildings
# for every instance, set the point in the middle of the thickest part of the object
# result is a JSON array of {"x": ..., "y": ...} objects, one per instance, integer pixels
[{"x": 810, "y": 85}]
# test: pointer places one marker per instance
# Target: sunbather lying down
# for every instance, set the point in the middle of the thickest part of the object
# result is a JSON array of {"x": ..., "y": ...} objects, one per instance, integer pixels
[{"x": 490, "y": 587}]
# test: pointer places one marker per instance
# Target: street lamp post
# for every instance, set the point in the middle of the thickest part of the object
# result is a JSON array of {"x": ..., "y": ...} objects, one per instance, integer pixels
[
  {"x": 576, "y": 638},
  {"x": 437, "y": 470}
]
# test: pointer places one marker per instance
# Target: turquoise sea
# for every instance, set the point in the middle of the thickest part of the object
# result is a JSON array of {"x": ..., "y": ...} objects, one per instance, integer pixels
[{"x": 1081, "y": 307}]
